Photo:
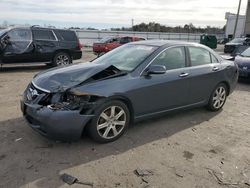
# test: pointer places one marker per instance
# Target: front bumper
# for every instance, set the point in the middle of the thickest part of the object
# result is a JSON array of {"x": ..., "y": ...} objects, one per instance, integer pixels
[
  {"x": 244, "y": 73},
  {"x": 63, "y": 125}
]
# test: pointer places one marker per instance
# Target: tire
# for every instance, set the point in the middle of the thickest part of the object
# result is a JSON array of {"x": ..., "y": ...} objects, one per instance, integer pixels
[
  {"x": 218, "y": 98},
  {"x": 105, "y": 127},
  {"x": 61, "y": 58}
]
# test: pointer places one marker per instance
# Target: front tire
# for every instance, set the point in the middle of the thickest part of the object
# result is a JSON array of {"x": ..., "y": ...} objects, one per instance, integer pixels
[
  {"x": 61, "y": 58},
  {"x": 218, "y": 98},
  {"x": 110, "y": 122}
]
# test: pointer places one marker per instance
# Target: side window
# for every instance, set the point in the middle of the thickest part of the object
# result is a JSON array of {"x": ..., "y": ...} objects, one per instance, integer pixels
[
  {"x": 199, "y": 56},
  {"x": 20, "y": 35},
  {"x": 125, "y": 40},
  {"x": 214, "y": 59},
  {"x": 114, "y": 40},
  {"x": 43, "y": 35},
  {"x": 172, "y": 58},
  {"x": 66, "y": 35}
]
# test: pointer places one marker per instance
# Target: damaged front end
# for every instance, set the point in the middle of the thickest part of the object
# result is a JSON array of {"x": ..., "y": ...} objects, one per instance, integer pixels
[
  {"x": 55, "y": 104},
  {"x": 61, "y": 115},
  {"x": 75, "y": 100}
]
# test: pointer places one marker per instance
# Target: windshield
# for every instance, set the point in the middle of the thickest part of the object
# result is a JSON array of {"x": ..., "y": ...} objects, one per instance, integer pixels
[
  {"x": 3, "y": 31},
  {"x": 237, "y": 40},
  {"x": 246, "y": 53},
  {"x": 127, "y": 57}
]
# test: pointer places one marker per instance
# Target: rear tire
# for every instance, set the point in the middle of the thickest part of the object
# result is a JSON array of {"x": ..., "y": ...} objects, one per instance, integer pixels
[
  {"x": 61, "y": 58},
  {"x": 218, "y": 98},
  {"x": 110, "y": 122}
]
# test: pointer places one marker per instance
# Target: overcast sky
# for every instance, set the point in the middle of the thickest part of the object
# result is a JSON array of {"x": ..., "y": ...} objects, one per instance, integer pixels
[{"x": 117, "y": 13}]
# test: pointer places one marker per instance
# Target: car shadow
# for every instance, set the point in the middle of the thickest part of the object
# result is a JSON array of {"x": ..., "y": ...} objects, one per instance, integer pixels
[
  {"x": 243, "y": 84},
  {"x": 27, "y": 156},
  {"x": 6, "y": 68}
]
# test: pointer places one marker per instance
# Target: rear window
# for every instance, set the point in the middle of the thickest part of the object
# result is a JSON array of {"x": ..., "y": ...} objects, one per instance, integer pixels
[
  {"x": 66, "y": 35},
  {"x": 43, "y": 35}
]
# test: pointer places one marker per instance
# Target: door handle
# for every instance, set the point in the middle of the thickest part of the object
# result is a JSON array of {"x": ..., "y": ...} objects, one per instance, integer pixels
[
  {"x": 183, "y": 75},
  {"x": 216, "y": 68}
]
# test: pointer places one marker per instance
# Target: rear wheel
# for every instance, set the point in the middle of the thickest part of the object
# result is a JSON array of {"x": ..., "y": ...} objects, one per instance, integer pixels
[
  {"x": 110, "y": 122},
  {"x": 61, "y": 58},
  {"x": 218, "y": 98}
]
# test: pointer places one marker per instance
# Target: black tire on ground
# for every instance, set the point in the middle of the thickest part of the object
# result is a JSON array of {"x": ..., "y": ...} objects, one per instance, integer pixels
[
  {"x": 218, "y": 98},
  {"x": 106, "y": 122},
  {"x": 61, "y": 58}
]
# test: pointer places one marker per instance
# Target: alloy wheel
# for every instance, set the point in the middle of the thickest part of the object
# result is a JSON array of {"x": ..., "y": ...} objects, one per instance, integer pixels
[
  {"x": 111, "y": 122},
  {"x": 62, "y": 60},
  {"x": 219, "y": 97}
]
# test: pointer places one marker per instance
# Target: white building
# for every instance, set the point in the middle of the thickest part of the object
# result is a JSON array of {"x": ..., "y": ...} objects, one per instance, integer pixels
[{"x": 231, "y": 20}]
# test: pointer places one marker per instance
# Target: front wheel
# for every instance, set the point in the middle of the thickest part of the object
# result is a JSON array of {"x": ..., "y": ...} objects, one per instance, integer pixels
[
  {"x": 110, "y": 122},
  {"x": 217, "y": 98},
  {"x": 61, "y": 58}
]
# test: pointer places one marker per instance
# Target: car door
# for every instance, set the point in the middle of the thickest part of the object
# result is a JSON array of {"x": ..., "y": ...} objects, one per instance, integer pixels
[
  {"x": 45, "y": 43},
  {"x": 167, "y": 91},
  {"x": 18, "y": 46},
  {"x": 205, "y": 73}
]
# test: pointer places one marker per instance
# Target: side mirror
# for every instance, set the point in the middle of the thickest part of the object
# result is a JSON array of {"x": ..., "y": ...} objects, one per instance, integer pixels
[{"x": 155, "y": 69}]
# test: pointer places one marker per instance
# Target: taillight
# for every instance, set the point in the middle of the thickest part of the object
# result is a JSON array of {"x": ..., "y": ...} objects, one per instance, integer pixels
[{"x": 79, "y": 45}]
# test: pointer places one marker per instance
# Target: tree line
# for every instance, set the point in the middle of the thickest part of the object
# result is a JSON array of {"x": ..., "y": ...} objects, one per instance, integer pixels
[{"x": 156, "y": 27}]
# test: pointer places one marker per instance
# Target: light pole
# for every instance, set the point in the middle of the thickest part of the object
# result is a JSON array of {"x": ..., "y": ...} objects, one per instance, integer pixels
[
  {"x": 132, "y": 22},
  {"x": 237, "y": 19}
]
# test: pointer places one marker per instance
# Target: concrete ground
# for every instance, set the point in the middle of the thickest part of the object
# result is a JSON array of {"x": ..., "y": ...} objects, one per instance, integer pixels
[{"x": 191, "y": 149}]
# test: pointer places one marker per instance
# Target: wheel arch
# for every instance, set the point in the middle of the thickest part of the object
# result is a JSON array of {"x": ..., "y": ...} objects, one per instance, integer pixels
[
  {"x": 227, "y": 85},
  {"x": 127, "y": 102},
  {"x": 121, "y": 98},
  {"x": 62, "y": 50}
]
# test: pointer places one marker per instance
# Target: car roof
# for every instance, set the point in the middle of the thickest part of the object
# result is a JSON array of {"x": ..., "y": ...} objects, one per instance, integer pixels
[
  {"x": 37, "y": 27},
  {"x": 160, "y": 43}
]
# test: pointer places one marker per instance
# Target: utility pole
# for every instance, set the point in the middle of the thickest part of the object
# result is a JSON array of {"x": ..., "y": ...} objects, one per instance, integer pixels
[
  {"x": 247, "y": 22},
  {"x": 132, "y": 21},
  {"x": 237, "y": 19}
]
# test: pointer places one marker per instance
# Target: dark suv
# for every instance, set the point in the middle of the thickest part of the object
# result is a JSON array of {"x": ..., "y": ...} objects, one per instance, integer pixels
[{"x": 36, "y": 44}]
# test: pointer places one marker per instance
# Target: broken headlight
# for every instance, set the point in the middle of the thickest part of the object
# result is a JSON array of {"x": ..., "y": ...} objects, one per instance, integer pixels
[{"x": 69, "y": 102}]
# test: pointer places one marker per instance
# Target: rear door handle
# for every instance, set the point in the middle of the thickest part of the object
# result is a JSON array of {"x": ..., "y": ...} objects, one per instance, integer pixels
[
  {"x": 216, "y": 68},
  {"x": 183, "y": 75}
]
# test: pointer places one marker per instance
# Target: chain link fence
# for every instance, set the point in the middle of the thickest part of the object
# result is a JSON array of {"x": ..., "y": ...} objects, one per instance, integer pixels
[{"x": 88, "y": 37}]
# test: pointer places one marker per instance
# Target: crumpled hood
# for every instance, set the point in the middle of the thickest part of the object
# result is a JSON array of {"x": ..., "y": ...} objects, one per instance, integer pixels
[{"x": 63, "y": 78}]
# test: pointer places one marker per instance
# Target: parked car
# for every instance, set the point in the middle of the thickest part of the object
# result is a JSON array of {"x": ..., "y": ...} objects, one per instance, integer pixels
[
  {"x": 37, "y": 44},
  {"x": 231, "y": 46},
  {"x": 109, "y": 43},
  {"x": 243, "y": 62},
  {"x": 133, "y": 82}
]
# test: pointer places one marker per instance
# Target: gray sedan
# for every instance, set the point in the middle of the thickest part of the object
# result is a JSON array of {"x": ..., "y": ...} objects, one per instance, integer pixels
[{"x": 133, "y": 82}]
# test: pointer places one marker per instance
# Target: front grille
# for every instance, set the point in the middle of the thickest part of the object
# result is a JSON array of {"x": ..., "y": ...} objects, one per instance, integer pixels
[{"x": 32, "y": 93}]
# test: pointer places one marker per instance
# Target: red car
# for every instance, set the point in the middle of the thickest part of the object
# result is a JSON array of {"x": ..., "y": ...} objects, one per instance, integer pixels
[{"x": 109, "y": 43}]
